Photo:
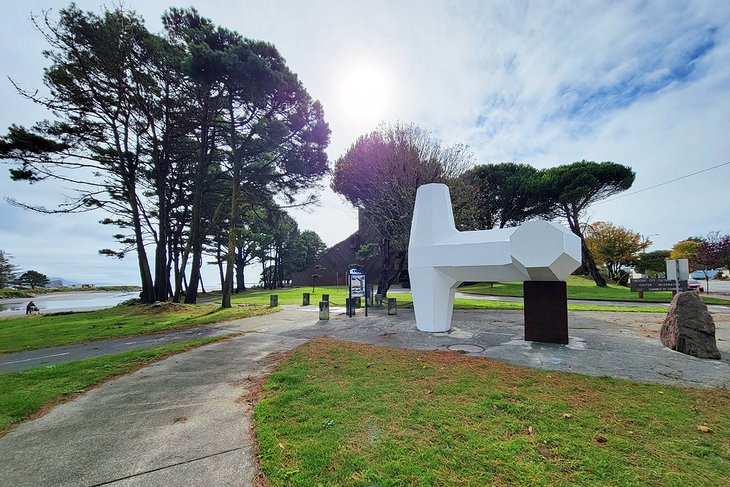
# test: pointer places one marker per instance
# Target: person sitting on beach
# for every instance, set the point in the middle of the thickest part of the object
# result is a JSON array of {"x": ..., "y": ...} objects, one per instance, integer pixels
[{"x": 31, "y": 308}]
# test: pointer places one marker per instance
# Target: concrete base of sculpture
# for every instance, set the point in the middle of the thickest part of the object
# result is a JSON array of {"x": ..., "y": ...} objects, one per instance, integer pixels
[
  {"x": 546, "y": 311},
  {"x": 440, "y": 257}
]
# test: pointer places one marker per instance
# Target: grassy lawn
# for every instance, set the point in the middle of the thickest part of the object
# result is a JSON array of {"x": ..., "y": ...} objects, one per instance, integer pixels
[
  {"x": 339, "y": 293},
  {"x": 24, "y": 393},
  {"x": 291, "y": 295},
  {"x": 338, "y": 413},
  {"x": 40, "y": 331},
  {"x": 583, "y": 288}
]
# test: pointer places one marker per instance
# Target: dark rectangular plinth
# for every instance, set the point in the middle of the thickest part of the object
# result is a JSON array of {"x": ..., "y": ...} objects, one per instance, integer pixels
[{"x": 546, "y": 311}]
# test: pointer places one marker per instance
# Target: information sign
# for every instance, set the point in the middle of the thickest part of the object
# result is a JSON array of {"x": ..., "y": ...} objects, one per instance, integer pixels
[
  {"x": 357, "y": 286},
  {"x": 649, "y": 284}
]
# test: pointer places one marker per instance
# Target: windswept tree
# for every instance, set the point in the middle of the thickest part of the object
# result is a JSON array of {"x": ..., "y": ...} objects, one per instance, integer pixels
[
  {"x": 614, "y": 246},
  {"x": 380, "y": 173},
  {"x": 573, "y": 188},
  {"x": 276, "y": 133},
  {"x": 269, "y": 131},
  {"x": 103, "y": 140},
  {"x": 498, "y": 195},
  {"x": 173, "y": 135},
  {"x": 32, "y": 279}
]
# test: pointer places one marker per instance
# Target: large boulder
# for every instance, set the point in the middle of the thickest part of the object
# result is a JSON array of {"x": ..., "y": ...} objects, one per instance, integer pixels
[{"x": 689, "y": 328}]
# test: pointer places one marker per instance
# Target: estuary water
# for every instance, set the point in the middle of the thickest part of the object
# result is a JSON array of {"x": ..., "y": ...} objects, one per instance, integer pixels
[{"x": 70, "y": 301}]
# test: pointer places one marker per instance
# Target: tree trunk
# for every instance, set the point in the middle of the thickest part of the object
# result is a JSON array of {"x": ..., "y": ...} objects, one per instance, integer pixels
[
  {"x": 148, "y": 292},
  {"x": 191, "y": 294},
  {"x": 162, "y": 166},
  {"x": 162, "y": 269},
  {"x": 393, "y": 266},
  {"x": 219, "y": 261},
  {"x": 196, "y": 234},
  {"x": 590, "y": 264},
  {"x": 240, "y": 267},
  {"x": 587, "y": 259},
  {"x": 235, "y": 193}
]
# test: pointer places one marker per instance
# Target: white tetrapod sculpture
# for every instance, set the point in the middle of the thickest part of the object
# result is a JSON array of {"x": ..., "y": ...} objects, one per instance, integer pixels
[{"x": 440, "y": 258}]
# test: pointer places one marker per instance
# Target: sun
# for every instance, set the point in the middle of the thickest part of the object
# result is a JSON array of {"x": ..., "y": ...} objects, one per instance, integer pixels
[{"x": 365, "y": 91}]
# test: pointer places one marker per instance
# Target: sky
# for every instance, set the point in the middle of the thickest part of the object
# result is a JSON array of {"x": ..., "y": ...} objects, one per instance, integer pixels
[{"x": 641, "y": 83}]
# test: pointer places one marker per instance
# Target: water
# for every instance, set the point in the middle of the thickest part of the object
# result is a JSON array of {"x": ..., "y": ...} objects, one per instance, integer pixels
[{"x": 73, "y": 301}]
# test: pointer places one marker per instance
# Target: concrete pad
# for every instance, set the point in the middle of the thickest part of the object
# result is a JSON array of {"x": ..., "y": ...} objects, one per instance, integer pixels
[{"x": 621, "y": 345}]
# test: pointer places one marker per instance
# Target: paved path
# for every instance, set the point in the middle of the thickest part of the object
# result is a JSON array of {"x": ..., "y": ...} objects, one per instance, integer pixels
[{"x": 184, "y": 420}]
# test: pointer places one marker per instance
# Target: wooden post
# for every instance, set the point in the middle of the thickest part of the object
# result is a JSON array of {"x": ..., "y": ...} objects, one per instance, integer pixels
[
  {"x": 641, "y": 294},
  {"x": 350, "y": 306},
  {"x": 274, "y": 300},
  {"x": 305, "y": 299},
  {"x": 378, "y": 300},
  {"x": 358, "y": 302},
  {"x": 324, "y": 310},
  {"x": 392, "y": 306}
]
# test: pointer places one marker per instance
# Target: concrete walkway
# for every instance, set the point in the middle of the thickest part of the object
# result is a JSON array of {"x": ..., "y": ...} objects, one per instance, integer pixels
[
  {"x": 179, "y": 422},
  {"x": 184, "y": 420}
]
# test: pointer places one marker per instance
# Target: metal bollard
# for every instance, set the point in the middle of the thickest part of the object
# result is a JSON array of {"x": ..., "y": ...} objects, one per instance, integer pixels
[
  {"x": 392, "y": 306},
  {"x": 274, "y": 300},
  {"x": 350, "y": 306},
  {"x": 378, "y": 300},
  {"x": 305, "y": 299},
  {"x": 326, "y": 297},
  {"x": 324, "y": 310}
]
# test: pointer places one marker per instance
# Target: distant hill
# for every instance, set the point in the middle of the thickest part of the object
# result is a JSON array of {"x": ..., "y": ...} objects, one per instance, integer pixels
[{"x": 59, "y": 282}]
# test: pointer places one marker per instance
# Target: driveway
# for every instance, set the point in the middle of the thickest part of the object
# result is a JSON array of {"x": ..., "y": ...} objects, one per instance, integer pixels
[{"x": 185, "y": 420}]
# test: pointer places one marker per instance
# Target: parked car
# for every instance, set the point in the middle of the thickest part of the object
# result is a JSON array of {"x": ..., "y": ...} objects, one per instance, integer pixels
[{"x": 694, "y": 285}]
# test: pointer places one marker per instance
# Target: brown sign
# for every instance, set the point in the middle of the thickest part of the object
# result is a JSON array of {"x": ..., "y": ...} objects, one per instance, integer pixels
[{"x": 654, "y": 284}]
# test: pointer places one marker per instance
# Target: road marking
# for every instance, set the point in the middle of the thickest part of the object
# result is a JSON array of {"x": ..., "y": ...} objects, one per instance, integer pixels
[{"x": 35, "y": 358}]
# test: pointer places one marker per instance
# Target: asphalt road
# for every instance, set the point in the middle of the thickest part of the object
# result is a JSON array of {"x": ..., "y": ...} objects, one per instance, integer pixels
[{"x": 68, "y": 353}]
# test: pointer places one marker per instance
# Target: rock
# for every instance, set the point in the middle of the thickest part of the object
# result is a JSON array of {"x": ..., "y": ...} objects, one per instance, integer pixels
[{"x": 689, "y": 328}]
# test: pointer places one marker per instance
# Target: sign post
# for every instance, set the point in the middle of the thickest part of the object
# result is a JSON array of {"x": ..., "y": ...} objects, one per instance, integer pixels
[
  {"x": 678, "y": 271},
  {"x": 357, "y": 288}
]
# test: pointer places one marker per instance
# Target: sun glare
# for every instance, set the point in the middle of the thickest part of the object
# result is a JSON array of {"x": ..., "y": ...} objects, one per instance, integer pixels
[{"x": 365, "y": 91}]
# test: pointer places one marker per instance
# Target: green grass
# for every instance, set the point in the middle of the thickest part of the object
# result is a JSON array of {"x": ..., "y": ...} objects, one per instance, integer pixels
[
  {"x": 29, "y": 293},
  {"x": 338, "y": 413},
  {"x": 41, "y": 331},
  {"x": 24, "y": 393},
  {"x": 291, "y": 295},
  {"x": 339, "y": 293},
  {"x": 583, "y": 288}
]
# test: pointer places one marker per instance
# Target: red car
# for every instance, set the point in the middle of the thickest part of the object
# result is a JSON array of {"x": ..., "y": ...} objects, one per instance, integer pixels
[{"x": 693, "y": 285}]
